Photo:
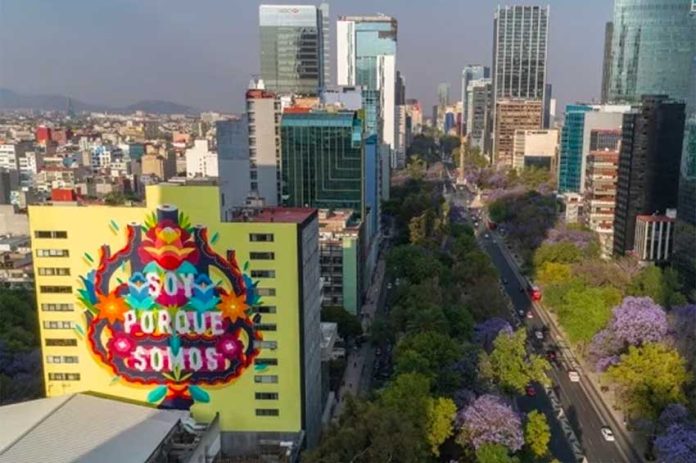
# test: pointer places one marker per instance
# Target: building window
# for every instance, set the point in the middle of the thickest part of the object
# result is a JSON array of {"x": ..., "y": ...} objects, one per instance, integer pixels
[
  {"x": 266, "y": 379},
  {"x": 266, "y": 396},
  {"x": 265, "y": 361},
  {"x": 266, "y": 291},
  {"x": 254, "y": 186},
  {"x": 57, "y": 307},
  {"x": 261, "y": 237},
  {"x": 62, "y": 359},
  {"x": 254, "y": 175},
  {"x": 64, "y": 376},
  {"x": 263, "y": 274},
  {"x": 57, "y": 325},
  {"x": 55, "y": 289},
  {"x": 61, "y": 342},
  {"x": 50, "y": 234},
  {"x": 266, "y": 327},
  {"x": 267, "y": 412},
  {"x": 52, "y": 253},
  {"x": 54, "y": 271},
  {"x": 262, "y": 255},
  {"x": 266, "y": 309},
  {"x": 270, "y": 345}
]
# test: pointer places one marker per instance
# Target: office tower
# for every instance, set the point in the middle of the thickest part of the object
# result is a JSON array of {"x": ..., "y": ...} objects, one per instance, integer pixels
[
  {"x": 326, "y": 42},
  {"x": 479, "y": 118},
  {"x": 651, "y": 150},
  {"x": 292, "y": 48},
  {"x": 685, "y": 236},
  {"x": 653, "y": 45},
  {"x": 443, "y": 95},
  {"x": 400, "y": 122},
  {"x": 548, "y": 98},
  {"x": 512, "y": 115},
  {"x": 519, "y": 67},
  {"x": 166, "y": 304},
  {"x": 607, "y": 63},
  {"x": 601, "y": 174},
  {"x": 366, "y": 55},
  {"x": 519, "y": 51},
  {"x": 322, "y": 164},
  {"x": 400, "y": 95},
  {"x": 470, "y": 73},
  {"x": 535, "y": 148}
]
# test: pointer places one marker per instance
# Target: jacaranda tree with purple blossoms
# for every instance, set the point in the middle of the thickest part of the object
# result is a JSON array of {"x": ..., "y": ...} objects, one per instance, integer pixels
[
  {"x": 489, "y": 420},
  {"x": 486, "y": 332},
  {"x": 677, "y": 444}
]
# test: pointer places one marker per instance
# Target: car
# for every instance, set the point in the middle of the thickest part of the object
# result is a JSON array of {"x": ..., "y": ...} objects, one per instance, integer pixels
[
  {"x": 486, "y": 236},
  {"x": 505, "y": 281},
  {"x": 607, "y": 434},
  {"x": 530, "y": 314},
  {"x": 531, "y": 391},
  {"x": 520, "y": 312},
  {"x": 573, "y": 376},
  {"x": 539, "y": 335},
  {"x": 551, "y": 355},
  {"x": 389, "y": 286}
]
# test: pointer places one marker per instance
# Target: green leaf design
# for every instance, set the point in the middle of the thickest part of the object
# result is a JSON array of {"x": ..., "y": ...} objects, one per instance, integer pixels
[
  {"x": 198, "y": 394},
  {"x": 157, "y": 394}
]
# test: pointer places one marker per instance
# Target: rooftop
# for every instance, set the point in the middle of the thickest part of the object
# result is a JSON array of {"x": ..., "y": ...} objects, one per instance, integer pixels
[{"x": 274, "y": 214}]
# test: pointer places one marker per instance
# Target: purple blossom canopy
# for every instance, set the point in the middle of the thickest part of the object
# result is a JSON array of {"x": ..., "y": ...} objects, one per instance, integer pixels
[
  {"x": 489, "y": 420},
  {"x": 580, "y": 238},
  {"x": 486, "y": 332},
  {"x": 638, "y": 320},
  {"x": 673, "y": 414},
  {"x": 677, "y": 444}
]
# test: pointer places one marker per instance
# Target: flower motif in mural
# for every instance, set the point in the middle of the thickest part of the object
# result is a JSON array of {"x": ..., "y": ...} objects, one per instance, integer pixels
[{"x": 169, "y": 245}]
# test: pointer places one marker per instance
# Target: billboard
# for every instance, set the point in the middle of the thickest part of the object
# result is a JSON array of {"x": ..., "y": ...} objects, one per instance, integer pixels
[{"x": 167, "y": 311}]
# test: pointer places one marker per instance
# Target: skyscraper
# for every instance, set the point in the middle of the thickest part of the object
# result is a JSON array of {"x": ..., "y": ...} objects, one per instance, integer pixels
[
  {"x": 400, "y": 96},
  {"x": 292, "y": 48},
  {"x": 479, "y": 118},
  {"x": 607, "y": 63},
  {"x": 653, "y": 44},
  {"x": 470, "y": 73},
  {"x": 519, "y": 51},
  {"x": 513, "y": 115},
  {"x": 366, "y": 55},
  {"x": 651, "y": 150},
  {"x": 443, "y": 94},
  {"x": 519, "y": 69}
]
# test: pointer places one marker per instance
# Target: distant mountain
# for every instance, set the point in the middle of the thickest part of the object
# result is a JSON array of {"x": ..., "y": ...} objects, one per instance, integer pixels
[{"x": 13, "y": 100}]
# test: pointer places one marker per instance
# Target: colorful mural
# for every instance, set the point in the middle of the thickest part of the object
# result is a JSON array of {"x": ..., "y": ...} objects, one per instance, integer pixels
[{"x": 183, "y": 321}]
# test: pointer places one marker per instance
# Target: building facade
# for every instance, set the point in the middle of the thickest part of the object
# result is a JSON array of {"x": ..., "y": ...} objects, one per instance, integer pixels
[
  {"x": 570, "y": 159},
  {"x": 512, "y": 115},
  {"x": 232, "y": 140},
  {"x": 201, "y": 161},
  {"x": 653, "y": 46},
  {"x": 654, "y": 240},
  {"x": 607, "y": 62},
  {"x": 651, "y": 150},
  {"x": 470, "y": 73},
  {"x": 220, "y": 317},
  {"x": 600, "y": 195},
  {"x": 479, "y": 118},
  {"x": 535, "y": 148},
  {"x": 292, "y": 48}
]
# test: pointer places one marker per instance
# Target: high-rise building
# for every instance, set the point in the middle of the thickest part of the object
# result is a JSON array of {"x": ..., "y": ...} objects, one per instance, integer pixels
[
  {"x": 519, "y": 51},
  {"x": 292, "y": 48},
  {"x": 548, "y": 103},
  {"x": 651, "y": 150},
  {"x": 654, "y": 239},
  {"x": 479, "y": 114},
  {"x": 519, "y": 68},
  {"x": 535, "y": 148},
  {"x": 201, "y": 161},
  {"x": 322, "y": 159},
  {"x": 470, "y": 73},
  {"x": 512, "y": 115},
  {"x": 400, "y": 96},
  {"x": 326, "y": 42},
  {"x": 607, "y": 63},
  {"x": 443, "y": 94},
  {"x": 653, "y": 45},
  {"x": 164, "y": 303},
  {"x": 366, "y": 55},
  {"x": 232, "y": 139}
]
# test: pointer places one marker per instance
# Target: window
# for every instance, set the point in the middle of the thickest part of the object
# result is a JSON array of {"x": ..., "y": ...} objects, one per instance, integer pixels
[
  {"x": 263, "y": 274},
  {"x": 266, "y": 379},
  {"x": 61, "y": 359},
  {"x": 54, "y": 271},
  {"x": 57, "y": 307},
  {"x": 266, "y": 327},
  {"x": 61, "y": 342},
  {"x": 266, "y": 291},
  {"x": 271, "y": 345},
  {"x": 50, "y": 234},
  {"x": 266, "y": 309},
  {"x": 267, "y": 412},
  {"x": 64, "y": 376},
  {"x": 262, "y": 255},
  {"x": 261, "y": 237},
  {"x": 57, "y": 325},
  {"x": 265, "y": 361},
  {"x": 266, "y": 396},
  {"x": 55, "y": 289},
  {"x": 52, "y": 253}
]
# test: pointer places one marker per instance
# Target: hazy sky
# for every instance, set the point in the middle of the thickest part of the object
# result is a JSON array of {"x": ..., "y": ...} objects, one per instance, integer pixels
[{"x": 203, "y": 52}]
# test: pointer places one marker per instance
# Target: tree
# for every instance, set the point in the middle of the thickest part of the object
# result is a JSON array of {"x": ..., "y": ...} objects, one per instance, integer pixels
[
  {"x": 441, "y": 413},
  {"x": 677, "y": 444},
  {"x": 553, "y": 272},
  {"x": 510, "y": 367},
  {"x": 485, "y": 333},
  {"x": 649, "y": 378},
  {"x": 408, "y": 394},
  {"x": 413, "y": 263},
  {"x": 561, "y": 253},
  {"x": 349, "y": 326},
  {"x": 494, "y": 453},
  {"x": 489, "y": 420},
  {"x": 662, "y": 286},
  {"x": 432, "y": 355},
  {"x": 537, "y": 433}
]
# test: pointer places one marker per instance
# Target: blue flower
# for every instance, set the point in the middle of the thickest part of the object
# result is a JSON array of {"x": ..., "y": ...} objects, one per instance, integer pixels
[
  {"x": 204, "y": 294},
  {"x": 139, "y": 292}
]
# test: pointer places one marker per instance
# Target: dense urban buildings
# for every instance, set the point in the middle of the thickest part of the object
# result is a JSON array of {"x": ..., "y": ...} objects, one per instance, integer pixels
[
  {"x": 266, "y": 365},
  {"x": 649, "y": 165},
  {"x": 652, "y": 49}
]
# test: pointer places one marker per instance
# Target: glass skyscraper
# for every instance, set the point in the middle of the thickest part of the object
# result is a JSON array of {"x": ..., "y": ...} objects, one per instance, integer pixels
[
  {"x": 653, "y": 44},
  {"x": 322, "y": 163},
  {"x": 570, "y": 160},
  {"x": 293, "y": 48}
]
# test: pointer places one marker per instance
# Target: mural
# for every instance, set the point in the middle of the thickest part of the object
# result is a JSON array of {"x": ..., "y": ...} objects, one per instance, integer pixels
[{"x": 182, "y": 321}]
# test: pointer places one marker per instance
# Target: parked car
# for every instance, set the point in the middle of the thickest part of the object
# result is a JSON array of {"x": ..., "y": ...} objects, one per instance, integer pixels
[
  {"x": 574, "y": 376},
  {"x": 539, "y": 335},
  {"x": 607, "y": 434},
  {"x": 531, "y": 391}
]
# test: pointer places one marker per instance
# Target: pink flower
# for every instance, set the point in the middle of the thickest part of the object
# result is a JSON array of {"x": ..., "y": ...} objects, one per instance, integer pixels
[
  {"x": 229, "y": 346},
  {"x": 122, "y": 344}
]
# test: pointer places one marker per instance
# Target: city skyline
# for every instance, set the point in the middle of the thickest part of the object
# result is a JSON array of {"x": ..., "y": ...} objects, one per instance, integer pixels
[{"x": 214, "y": 70}]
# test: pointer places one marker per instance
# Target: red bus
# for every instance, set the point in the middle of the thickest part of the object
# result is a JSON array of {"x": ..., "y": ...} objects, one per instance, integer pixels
[{"x": 534, "y": 293}]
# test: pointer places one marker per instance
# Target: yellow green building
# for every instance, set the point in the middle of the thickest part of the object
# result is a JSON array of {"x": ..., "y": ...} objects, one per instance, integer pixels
[{"x": 165, "y": 303}]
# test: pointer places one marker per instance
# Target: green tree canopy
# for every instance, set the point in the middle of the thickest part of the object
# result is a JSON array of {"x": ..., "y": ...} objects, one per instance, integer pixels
[
  {"x": 441, "y": 413},
  {"x": 494, "y": 453},
  {"x": 432, "y": 355},
  {"x": 537, "y": 433}
]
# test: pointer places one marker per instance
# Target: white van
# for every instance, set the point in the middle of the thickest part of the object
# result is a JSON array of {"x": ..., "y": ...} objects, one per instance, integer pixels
[{"x": 574, "y": 376}]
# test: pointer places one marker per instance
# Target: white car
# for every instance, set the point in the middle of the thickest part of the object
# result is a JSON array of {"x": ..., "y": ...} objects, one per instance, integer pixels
[
  {"x": 607, "y": 434},
  {"x": 539, "y": 335},
  {"x": 574, "y": 376}
]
